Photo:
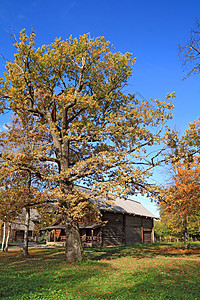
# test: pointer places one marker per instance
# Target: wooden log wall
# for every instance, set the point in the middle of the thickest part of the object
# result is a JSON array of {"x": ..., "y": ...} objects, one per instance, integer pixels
[
  {"x": 148, "y": 232},
  {"x": 133, "y": 230},
  {"x": 123, "y": 229},
  {"x": 113, "y": 231}
]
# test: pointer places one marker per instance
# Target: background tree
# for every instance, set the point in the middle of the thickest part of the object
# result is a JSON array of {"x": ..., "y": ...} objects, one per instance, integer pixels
[
  {"x": 22, "y": 178},
  {"x": 190, "y": 56},
  {"x": 6, "y": 215},
  {"x": 182, "y": 198},
  {"x": 170, "y": 225},
  {"x": 161, "y": 230},
  {"x": 181, "y": 203},
  {"x": 99, "y": 135}
]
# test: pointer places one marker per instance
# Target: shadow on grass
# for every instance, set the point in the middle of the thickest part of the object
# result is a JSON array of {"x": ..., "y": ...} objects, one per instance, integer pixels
[
  {"x": 162, "y": 283},
  {"x": 143, "y": 250},
  {"x": 44, "y": 272}
]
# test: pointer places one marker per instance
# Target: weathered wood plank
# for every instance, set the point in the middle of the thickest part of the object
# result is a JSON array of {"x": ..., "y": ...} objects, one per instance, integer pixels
[
  {"x": 147, "y": 237},
  {"x": 147, "y": 223}
]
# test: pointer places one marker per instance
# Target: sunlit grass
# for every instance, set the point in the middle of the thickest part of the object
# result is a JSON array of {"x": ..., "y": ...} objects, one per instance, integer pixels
[{"x": 159, "y": 271}]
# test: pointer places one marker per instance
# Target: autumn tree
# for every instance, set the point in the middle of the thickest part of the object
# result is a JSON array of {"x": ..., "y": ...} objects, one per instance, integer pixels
[
  {"x": 100, "y": 136},
  {"x": 22, "y": 178},
  {"x": 6, "y": 213},
  {"x": 183, "y": 195},
  {"x": 182, "y": 198},
  {"x": 170, "y": 224},
  {"x": 14, "y": 197},
  {"x": 161, "y": 230},
  {"x": 190, "y": 56}
]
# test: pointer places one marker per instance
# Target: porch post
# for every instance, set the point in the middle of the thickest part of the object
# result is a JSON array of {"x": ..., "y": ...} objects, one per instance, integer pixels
[
  {"x": 142, "y": 231},
  {"x": 152, "y": 233},
  {"x": 92, "y": 231}
]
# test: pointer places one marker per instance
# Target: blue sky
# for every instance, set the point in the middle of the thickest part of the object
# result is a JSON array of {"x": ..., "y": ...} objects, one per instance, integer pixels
[{"x": 152, "y": 30}]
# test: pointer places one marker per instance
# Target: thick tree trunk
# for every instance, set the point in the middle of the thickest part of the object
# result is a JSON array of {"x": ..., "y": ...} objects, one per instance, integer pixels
[
  {"x": 185, "y": 233},
  {"x": 26, "y": 230},
  {"x": 73, "y": 242},
  {"x": 4, "y": 237},
  {"x": 8, "y": 236}
]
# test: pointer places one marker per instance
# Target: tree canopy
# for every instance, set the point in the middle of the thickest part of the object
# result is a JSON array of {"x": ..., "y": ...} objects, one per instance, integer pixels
[
  {"x": 182, "y": 198},
  {"x": 84, "y": 123}
]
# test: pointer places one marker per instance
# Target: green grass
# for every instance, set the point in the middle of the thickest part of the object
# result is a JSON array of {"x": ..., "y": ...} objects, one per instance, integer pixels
[{"x": 159, "y": 271}]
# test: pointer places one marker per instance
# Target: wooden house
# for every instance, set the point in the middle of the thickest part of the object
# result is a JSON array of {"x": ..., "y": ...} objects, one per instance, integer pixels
[
  {"x": 127, "y": 222},
  {"x": 124, "y": 222},
  {"x": 18, "y": 226}
]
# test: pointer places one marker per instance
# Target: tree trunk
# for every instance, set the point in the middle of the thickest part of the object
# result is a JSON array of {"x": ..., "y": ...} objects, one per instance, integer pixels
[
  {"x": 185, "y": 233},
  {"x": 4, "y": 236},
  {"x": 8, "y": 236},
  {"x": 26, "y": 230},
  {"x": 73, "y": 244}
]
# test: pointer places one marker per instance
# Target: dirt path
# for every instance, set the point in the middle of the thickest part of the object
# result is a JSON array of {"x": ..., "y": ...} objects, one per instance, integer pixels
[{"x": 14, "y": 246}]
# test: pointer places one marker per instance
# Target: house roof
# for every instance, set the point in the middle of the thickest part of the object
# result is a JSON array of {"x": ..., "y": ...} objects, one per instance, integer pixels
[
  {"x": 94, "y": 226},
  {"x": 53, "y": 227},
  {"x": 19, "y": 222},
  {"x": 120, "y": 205}
]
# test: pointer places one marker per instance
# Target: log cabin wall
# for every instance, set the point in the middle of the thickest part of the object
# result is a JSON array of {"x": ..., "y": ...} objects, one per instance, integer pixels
[
  {"x": 119, "y": 229},
  {"x": 133, "y": 230},
  {"x": 148, "y": 230},
  {"x": 124, "y": 229},
  {"x": 113, "y": 231}
]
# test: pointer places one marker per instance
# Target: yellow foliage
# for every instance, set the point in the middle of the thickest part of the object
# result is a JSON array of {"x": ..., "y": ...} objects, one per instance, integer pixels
[{"x": 79, "y": 126}]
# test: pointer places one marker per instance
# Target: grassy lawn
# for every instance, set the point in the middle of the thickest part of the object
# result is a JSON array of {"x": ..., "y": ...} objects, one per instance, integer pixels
[{"x": 164, "y": 271}]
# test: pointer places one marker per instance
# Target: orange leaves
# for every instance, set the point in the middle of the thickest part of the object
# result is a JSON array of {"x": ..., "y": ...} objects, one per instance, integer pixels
[{"x": 183, "y": 195}]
